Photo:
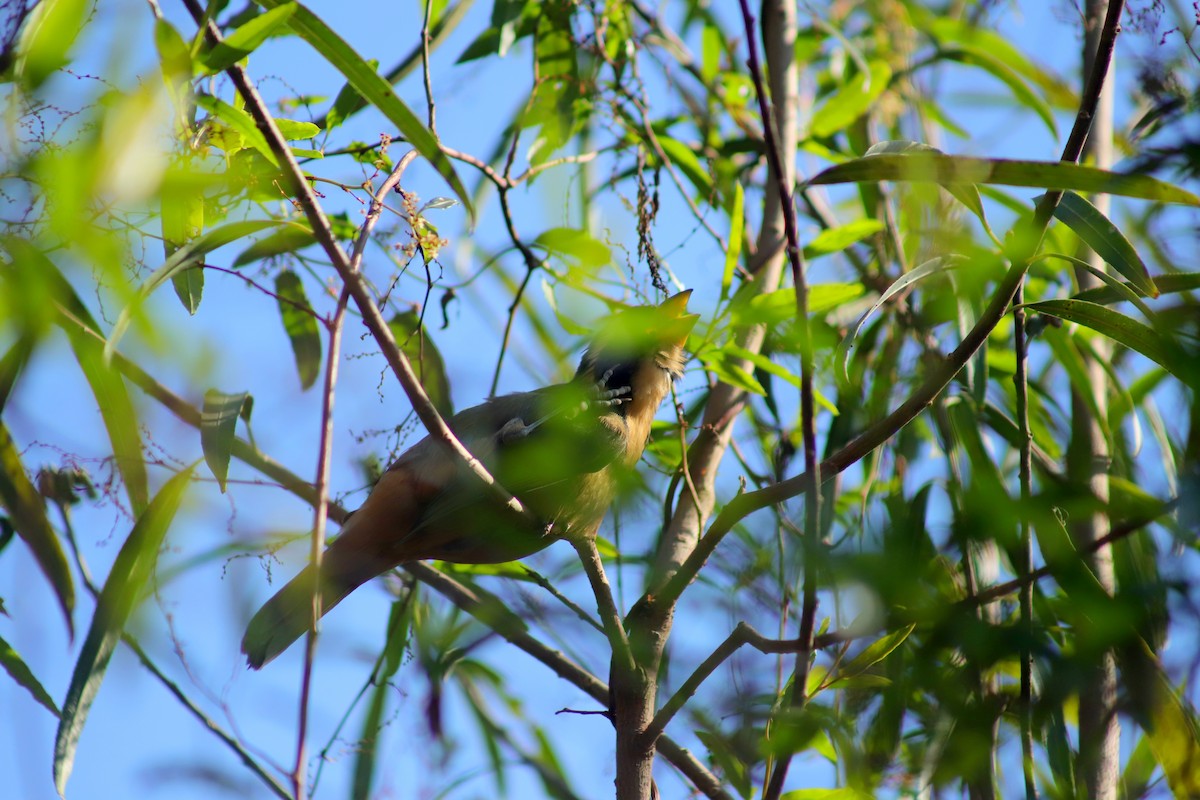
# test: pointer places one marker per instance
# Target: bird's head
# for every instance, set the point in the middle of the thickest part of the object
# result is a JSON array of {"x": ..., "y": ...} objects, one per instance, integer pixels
[{"x": 641, "y": 347}]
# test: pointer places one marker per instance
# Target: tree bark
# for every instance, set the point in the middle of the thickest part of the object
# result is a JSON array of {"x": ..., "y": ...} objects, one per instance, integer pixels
[{"x": 1088, "y": 464}]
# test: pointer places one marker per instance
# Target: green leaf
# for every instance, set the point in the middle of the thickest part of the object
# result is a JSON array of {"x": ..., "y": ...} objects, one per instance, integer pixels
[
  {"x": 688, "y": 162},
  {"x": 1098, "y": 233},
  {"x": 293, "y": 235},
  {"x": 20, "y": 672},
  {"x": 851, "y": 101},
  {"x": 182, "y": 221},
  {"x": 241, "y": 123},
  {"x": 943, "y": 169},
  {"x": 301, "y": 325},
  {"x": 834, "y": 240},
  {"x": 47, "y": 38},
  {"x": 1175, "y": 738},
  {"x": 126, "y": 582},
  {"x": 1170, "y": 283},
  {"x": 27, "y": 513},
  {"x": 246, "y": 39},
  {"x": 1125, "y": 331},
  {"x": 930, "y": 267},
  {"x": 875, "y": 652},
  {"x": 11, "y": 365},
  {"x": 727, "y": 368},
  {"x": 218, "y": 422},
  {"x": 108, "y": 387},
  {"x": 295, "y": 130},
  {"x": 416, "y": 343},
  {"x": 577, "y": 244},
  {"x": 368, "y": 83},
  {"x": 733, "y": 252}
]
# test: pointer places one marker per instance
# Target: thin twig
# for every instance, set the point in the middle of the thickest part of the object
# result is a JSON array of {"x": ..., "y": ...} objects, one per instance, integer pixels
[
  {"x": 1025, "y": 567},
  {"x": 589, "y": 556}
]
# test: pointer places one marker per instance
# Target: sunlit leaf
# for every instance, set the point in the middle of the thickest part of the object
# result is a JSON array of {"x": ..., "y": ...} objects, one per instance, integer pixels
[
  {"x": 851, "y": 101},
  {"x": 576, "y": 244},
  {"x": 687, "y": 162},
  {"x": 837, "y": 239},
  {"x": 126, "y": 583},
  {"x": 734, "y": 251},
  {"x": 247, "y": 38},
  {"x": 47, "y": 38},
  {"x": 945, "y": 169}
]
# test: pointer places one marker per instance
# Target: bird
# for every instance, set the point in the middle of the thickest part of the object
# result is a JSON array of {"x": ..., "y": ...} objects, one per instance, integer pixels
[{"x": 560, "y": 450}]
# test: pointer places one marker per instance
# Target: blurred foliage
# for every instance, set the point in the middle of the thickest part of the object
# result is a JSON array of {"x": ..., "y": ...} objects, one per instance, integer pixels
[{"x": 112, "y": 185}]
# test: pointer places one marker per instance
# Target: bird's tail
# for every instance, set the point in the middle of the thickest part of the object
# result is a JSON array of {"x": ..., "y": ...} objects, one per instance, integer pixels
[{"x": 285, "y": 617}]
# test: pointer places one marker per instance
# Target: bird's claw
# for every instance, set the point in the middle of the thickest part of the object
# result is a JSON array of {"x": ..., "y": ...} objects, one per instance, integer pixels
[{"x": 609, "y": 397}]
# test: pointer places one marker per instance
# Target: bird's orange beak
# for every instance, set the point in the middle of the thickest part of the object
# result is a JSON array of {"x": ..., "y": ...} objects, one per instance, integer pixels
[{"x": 678, "y": 322}]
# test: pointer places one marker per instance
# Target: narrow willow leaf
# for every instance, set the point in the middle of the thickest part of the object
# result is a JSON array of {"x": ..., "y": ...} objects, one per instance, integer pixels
[
  {"x": 688, "y": 163},
  {"x": 1124, "y": 331},
  {"x": 11, "y": 365},
  {"x": 301, "y": 325},
  {"x": 728, "y": 369},
  {"x": 126, "y": 582},
  {"x": 188, "y": 256},
  {"x": 241, "y": 122},
  {"x": 577, "y": 244},
  {"x": 182, "y": 221},
  {"x": 47, "y": 37},
  {"x": 1175, "y": 737},
  {"x": 945, "y": 170},
  {"x": 108, "y": 387},
  {"x": 851, "y": 101},
  {"x": 293, "y": 236},
  {"x": 930, "y": 267},
  {"x": 27, "y": 513},
  {"x": 1098, "y": 233},
  {"x": 835, "y": 240},
  {"x": 366, "y": 755},
  {"x": 218, "y": 421},
  {"x": 247, "y": 38},
  {"x": 737, "y": 223},
  {"x": 1166, "y": 284},
  {"x": 874, "y": 653},
  {"x": 19, "y": 671},
  {"x": 368, "y": 83}
]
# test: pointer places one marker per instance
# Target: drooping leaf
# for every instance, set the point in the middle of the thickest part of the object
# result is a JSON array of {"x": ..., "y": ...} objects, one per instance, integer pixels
[
  {"x": 27, "y": 513},
  {"x": 1125, "y": 331},
  {"x": 1098, "y": 233},
  {"x": 241, "y": 123},
  {"x": 19, "y": 671},
  {"x": 108, "y": 387},
  {"x": 684, "y": 159},
  {"x": 126, "y": 582},
  {"x": 875, "y": 652},
  {"x": 930, "y": 267},
  {"x": 999, "y": 69},
  {"x": 734, "y": 251},
  {"x": 301, "y": 325},
  {"x": 218, "y": 422}
]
